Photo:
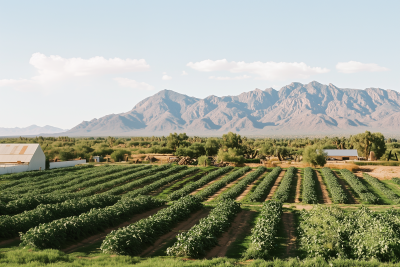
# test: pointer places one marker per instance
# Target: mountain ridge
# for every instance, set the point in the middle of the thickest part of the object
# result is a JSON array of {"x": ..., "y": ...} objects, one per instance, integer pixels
[
  {"x": 300, "y": 108},
  {"x": 30, "y": 130}
]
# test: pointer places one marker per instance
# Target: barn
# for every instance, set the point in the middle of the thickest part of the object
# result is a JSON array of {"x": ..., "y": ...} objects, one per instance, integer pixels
[
  {"x": 21, "y": 157},
  {"x": 341, "y": 154}
]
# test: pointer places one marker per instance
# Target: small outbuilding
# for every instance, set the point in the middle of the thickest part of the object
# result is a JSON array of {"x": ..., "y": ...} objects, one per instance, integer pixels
[
  {"x": 21, "y": 157},
  {"x": 341, "y": 154}
]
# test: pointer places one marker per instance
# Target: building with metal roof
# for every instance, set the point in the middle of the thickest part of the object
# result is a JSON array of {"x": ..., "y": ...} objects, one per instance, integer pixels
[
  {"x": 341, "y": 154},
  {"x": 21, "y": 157}
]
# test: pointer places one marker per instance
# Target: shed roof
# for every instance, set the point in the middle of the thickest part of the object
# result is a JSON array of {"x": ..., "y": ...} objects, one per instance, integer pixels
[
  {"x": 10, "y": 153},
  {"x": 341, "y": 152}
]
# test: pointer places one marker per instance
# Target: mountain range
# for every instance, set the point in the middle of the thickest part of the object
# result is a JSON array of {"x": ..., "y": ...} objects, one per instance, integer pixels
[
  {"x": 297, "y": 108},
  {"x": 30, "y": 130}
]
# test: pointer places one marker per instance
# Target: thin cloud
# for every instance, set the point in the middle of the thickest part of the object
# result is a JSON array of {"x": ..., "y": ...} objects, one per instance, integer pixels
[
  {"x": 53, "y": 69},
  {"x": 125, "y": 82},
  {"x": 243, "y": 77},
  {"x": 354, "y": 66},
  {"x": 264, "y": 70},
  {"x": 165, "y": 77},
  {"x": 184, "y": 73}
]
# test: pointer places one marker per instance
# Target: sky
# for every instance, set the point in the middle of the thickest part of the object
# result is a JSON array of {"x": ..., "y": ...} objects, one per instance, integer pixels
[{"x": 64, "y": 62}]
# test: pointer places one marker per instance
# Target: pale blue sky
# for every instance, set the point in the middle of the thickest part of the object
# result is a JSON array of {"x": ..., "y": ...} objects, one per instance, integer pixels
[{"x": 292, "y": 41}]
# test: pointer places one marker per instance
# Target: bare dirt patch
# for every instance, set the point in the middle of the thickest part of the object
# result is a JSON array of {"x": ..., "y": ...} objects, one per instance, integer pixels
[
  {"x": 96, "y": 238},
  {"x": 238, "y": 227},
  {"x": 298, "y": 189},
  {"x": 299, "y": 207},
  {"x": 8, "y": 241},
  {"x": 183, "y": 226},
  {"x": 275, "y": 186},
  {"x": 325, "y": 195},
  {"x": 290, "y": 230},
  {"x": 227, "y": 186},
  {"x": 346, "y": 189},
  {"x": 380, "y": 172},
  {"x": 249, "y": 187}
]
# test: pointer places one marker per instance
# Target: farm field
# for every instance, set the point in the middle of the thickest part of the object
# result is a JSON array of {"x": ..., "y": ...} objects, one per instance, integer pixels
[{"x": 172, "y": 215}]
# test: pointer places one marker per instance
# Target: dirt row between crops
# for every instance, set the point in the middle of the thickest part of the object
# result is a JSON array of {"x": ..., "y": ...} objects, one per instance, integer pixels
[
  {"x": 298, "y": 189},
  {"x": 346, "y": 189},
  {"x": 210, "y": 183},
  {"x": 275, "y": 186},
  {"x": 250, "y": 186},
  {"x": 96, "y": 238},
  {"x": 325, "y": 194},
  {"x": 239, "y": 226},
  {"x": 183, "y": 226},
  {"x": 228, "y": 186},
  {"x": 290, "y": 231}
]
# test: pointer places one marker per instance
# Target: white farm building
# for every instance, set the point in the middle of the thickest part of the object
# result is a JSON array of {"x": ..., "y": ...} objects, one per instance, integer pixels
[{"x": 21, "y": 157}]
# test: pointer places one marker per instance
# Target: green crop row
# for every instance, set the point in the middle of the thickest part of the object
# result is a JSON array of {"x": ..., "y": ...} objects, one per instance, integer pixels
[
  {"x": 382, "y": 188},
  {"x": 396, "y": 180},
  {"x": 330, "y": 232},
  {"x": 204, "y": 235},
  {"x": 264, "y": 234},
  {"x": 283, "y": 191},
  {"x": 238, "y": 188},
  {"x": 214, "y": 187},
  {"x": 31, "y": 202},
  {"x": 57, "y": 233},
  {"x": 309, "y": 194},
  {"x": 195, "y": 185},
  {"x": 10, "y": 226},
  {"x": 261, "y": 191},
  {"x": 336, "y": 190},
  {"x": 65, "y": 181},
  {"x": 87, "y": 181},
  {"x": 131, "y": 240},
  {"x": 361, "y": 190},
  {"x": 164, "y": 181}
]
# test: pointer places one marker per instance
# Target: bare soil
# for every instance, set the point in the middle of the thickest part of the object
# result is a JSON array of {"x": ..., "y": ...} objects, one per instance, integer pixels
[
  {"x": 298, "y": 189},
  {"x": 249, "y": 187},
  {"x": 299, "y": 207},
  {"x": 181, "y": 227},
  {"x": 8, "y": 241},
  {"x": 275, "y": 186},
  {"x": 96, "y": 238},
  {"x": 346, "y": 189},
  {"x": 227, "y": 186},
  {"x": 290, "y": 230},
  {"x": 238, "y": 227},
  {"x": 380, "y": 172},
  {"x": 325, "y": 195}
]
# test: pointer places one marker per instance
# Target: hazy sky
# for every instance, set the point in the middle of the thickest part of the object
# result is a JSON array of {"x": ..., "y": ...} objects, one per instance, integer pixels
[{"x": 62, "y": 62}]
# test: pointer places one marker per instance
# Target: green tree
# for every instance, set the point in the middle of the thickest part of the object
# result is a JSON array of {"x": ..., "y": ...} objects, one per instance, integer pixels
[
  {"x": 203, "y": 161},
  {"x": 367, "y": 142},
  {"x": 118, "y": 155},
  {"x": 211, "y": 147},
  {"x": 231, "y": 140},
  {"x": 314, "y": 155},
  {"x": 232, "y": 155}
]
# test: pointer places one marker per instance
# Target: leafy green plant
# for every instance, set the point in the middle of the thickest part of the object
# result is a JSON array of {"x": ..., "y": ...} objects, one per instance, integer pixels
[
  {"x": 309, "y": 193},
  {"x": 283, "y": 191},
  {"x": 203, "y": 236},
  {"x": 132, "y": 239},
  {"x": 265, "y": 186},
  {"x": 387, "y": 192},
  {"x": 264, "y": 234},
  {"x": 336, "y": 190},
  {"x": 361, "y": 190},
  {"x": 238, "y": 188}
]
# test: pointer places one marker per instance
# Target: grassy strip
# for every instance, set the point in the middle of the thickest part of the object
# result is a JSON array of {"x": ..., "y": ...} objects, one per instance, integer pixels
[{"x": 385, "y": 191}]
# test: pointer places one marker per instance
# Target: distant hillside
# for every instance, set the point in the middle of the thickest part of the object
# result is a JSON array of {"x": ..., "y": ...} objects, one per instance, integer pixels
[
  {"x": 297, "y": 108},
  {"x": 30, "y": 130}
]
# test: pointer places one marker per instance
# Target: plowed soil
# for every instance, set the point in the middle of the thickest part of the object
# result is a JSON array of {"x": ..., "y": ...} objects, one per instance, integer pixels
[
  {"x": 181, "y": 227},
  {"x": 275, "y": 186},
  {"x": 325, "y": 195},
  {"x": 96, "y": 238},
  {"x": 290, "y": 231},
  {"x": 249, "y": 187},
  {"x": 238, "y": 227},
  {"x": 346, "y": 189},
  {"x": 380, "y": 172},
  {"x": 298, "y": 189},
  {"x": 227, "y": 186}
]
